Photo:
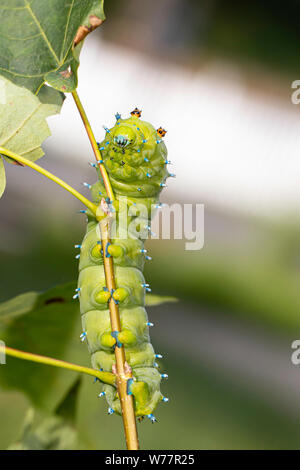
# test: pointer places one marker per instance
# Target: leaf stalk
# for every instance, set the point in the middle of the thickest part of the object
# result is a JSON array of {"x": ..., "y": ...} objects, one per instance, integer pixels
[
  {"x": 105, "y": 377},
  {"x": 94, "y": 145},
  {"x": 90, "y": 205},
  {"x": 123, "y": 371}
]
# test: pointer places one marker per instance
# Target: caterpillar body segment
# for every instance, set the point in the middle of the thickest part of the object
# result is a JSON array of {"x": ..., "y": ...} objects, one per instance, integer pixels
[{"x": 135, "y": 159}]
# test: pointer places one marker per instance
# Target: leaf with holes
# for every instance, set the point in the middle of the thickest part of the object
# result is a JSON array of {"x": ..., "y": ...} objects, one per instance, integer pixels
[
  {"x": 40, "y": 40},
  {"x": 23, "y": 126}
]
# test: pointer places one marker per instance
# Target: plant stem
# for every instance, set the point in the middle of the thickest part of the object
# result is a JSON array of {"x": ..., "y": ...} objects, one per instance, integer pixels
[
  {"x": 123, "y": 371},
  {"x": 94, "y": 145},
  {"x": 90, "y": 205},
  {"x": 105, "y": 377}
]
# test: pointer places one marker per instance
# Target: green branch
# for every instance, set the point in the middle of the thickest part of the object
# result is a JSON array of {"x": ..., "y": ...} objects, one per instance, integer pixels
[
  {"x": 105, "y": 377},
  {"x": 94, "y": 145},
  {"x": 50, "y": 176}
]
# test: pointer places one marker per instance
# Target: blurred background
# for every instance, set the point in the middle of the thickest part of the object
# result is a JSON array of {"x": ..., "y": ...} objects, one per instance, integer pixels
[{"x": 217, "y": 75}]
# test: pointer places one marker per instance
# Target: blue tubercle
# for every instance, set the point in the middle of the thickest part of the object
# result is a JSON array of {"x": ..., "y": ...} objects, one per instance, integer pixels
[
  {"x": 83, "y": 336},
  {"x": 128, "y": 386},
  {"x": 152, "y": 418},
  {"x": 115, "y": 335}
]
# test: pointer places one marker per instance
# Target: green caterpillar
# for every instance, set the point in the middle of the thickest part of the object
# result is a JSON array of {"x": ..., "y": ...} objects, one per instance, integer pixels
[{"x": 135, "y": 158}]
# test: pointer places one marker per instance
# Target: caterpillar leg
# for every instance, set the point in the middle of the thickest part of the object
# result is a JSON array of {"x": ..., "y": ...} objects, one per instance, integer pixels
[
  {"x": 127, "y": 337},
  {"x": 145, "y": 388}
]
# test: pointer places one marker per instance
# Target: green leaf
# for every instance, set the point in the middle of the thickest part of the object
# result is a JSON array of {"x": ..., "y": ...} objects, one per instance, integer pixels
[
  {"x": 153, "y": 300},
  {"x": 40, "y": 40},
  {"x": 17, "y": 306},
  {"x": 56, "y": 432},
  {"x": 67, "y": 408},
  {"x": 23, "y": 126},
  {"x": 2, "y": 177},
  {"x": 42, "y": 324}
]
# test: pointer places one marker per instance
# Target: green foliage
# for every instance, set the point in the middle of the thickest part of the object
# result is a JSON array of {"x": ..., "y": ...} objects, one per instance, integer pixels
[
  {"x": 66, "y": 409},
  {"x": 40, "y": 42},
  {"x": 37, "y": 40},
  {"x": 23, "y": 126},
  {"x": 42, "y": 324},
  {"x": 51, "y": 432},
  {"x": 19, "y": 305}
]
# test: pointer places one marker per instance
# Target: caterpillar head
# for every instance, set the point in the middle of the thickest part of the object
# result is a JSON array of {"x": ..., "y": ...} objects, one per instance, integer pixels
[
  {"x": 134, "y": 155},
  {"x": 124, "y": 136}
]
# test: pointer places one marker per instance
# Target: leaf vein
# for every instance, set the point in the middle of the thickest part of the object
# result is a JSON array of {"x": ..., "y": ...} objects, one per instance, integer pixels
[
  {"x": 21, "y": 74},
  {"x": 20, "y": 39},
  {"x": 42, "y": 31},
  {"x": 30, "y": 150},
  {"x": 22, "y": 124},
  {"x": 67, "y": 25}
]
